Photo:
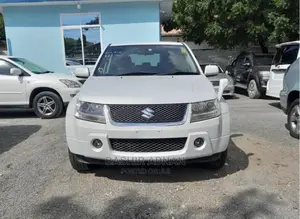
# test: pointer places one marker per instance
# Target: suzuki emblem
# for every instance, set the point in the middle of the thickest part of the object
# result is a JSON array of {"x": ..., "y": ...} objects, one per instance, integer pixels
[{"x": 147, "y": 113}]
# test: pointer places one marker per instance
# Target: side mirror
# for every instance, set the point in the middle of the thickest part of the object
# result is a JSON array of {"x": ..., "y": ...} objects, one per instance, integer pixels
[
  {"x": 222, "y": 85},
  {"x": 15, "y": 71},
  {"x": 211, "y": 70},
  {"x": 247, "y": 64},
  {"x": 81, "y": 72}
]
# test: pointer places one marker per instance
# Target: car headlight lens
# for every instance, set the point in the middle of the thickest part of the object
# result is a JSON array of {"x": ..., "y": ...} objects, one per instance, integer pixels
[
  {"x": 92, "y": 112},
  {"x": 70, "y": 83},
  {"x": 205, "y": 110}
]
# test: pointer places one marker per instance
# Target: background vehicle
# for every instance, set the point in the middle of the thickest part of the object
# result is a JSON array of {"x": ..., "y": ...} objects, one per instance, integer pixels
[
  {"x": 155, "y": 105},
  {"x": 215, "y": 73},
  {"x": 25, "y": 84},
  {"x": 286, "y": 54},
  {"x": 251, "y": 71},
  {"x": 289, "y": 98}
]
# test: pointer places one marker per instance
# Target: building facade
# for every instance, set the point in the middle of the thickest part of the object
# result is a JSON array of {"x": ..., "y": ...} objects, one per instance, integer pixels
[{"x": 62, "y": 34}]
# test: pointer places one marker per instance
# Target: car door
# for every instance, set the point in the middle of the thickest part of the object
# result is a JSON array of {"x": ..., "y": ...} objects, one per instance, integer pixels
[
  {"x": 284, "y": 57},
  {"x": 12, "y": 88},
  {"x": 247, "y": 65},
  {"x": 239, "y": 70}
]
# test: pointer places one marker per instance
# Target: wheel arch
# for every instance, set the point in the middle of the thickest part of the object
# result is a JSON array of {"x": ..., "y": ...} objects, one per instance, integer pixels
[
  {"x": 39, "y": 90},
  {"x": 291, "y": 97}
]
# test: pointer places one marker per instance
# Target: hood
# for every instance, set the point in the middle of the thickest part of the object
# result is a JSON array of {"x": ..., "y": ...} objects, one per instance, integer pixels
[
  {"x": 217, "y": 77},
  {"x": 58, "y": 76},
  {"x": 147, "y": 89}
]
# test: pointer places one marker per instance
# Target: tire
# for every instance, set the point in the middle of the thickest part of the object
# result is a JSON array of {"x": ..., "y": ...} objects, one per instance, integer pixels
[
  {"x": 253, "y": 91},
  {"x": 218, "y": 164},
  {"x": 293, "y": 119},
  {"x": 79, "y": 167},
  {"x": 46, "y": 97}
]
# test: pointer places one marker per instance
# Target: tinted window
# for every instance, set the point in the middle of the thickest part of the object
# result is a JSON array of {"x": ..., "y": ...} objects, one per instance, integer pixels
[
  {"x": 5, "y": 67},
  {"x": 240, "y": 60},
  {"x": 286, "y": 55},
  {"x": 263, "y": 60},
  {"x": 290, "y": 54},
  {"x": 147, "y": 59}
]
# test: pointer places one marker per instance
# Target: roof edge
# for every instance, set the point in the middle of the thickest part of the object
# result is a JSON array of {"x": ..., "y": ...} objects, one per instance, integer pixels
[{"x": 69, "y": 2}]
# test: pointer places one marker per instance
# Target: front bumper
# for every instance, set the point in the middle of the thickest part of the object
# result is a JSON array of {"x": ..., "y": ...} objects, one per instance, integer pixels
[
  {"x": 67, "y": 94},
  {"x": 215, "y": 132},
  {"x": 228, "y": 91}
]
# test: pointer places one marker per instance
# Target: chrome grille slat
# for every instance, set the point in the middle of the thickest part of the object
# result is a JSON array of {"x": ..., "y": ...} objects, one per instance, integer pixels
[
  {"x": 162, "y": 113},
  {"x": 148, "y": 145}
]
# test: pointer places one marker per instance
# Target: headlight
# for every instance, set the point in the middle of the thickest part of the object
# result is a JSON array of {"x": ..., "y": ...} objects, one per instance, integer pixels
[
  {"x": 70, "y": 84},
  {"x": 92, "y": 112},
  {"x": 205, "y": 110}
]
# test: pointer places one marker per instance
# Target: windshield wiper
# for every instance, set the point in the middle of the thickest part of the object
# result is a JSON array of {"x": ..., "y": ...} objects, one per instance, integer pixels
[
  {"x": 181, "y": 73},
  {"x": 137, "y": 73},
  {"x": 47, "y": 72}
]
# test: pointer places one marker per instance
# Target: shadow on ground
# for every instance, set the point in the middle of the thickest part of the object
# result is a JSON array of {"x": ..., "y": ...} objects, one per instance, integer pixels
[
  {"x": 131, "y": 205},
  {"x": 276, "y": 105},
  {"x": 16, "y": 113},
  {"x": 10, "y": 136},
  {"x": 237, "y": 160}
]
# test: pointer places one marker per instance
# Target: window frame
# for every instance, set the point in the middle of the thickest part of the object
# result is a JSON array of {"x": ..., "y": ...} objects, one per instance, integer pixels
[{"x": 80, "y": 27}]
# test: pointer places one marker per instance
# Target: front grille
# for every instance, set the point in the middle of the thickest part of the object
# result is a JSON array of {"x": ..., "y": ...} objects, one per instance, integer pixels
[
  {"x": 148, "y": 145},
  {"x": 159, "y": 113}
]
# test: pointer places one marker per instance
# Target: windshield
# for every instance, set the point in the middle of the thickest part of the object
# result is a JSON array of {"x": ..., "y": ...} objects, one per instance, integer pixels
[
  {"x": 263, "y": 60},
  {"x": 146, "y": 60},
  {"x": 30, "y": 66}
]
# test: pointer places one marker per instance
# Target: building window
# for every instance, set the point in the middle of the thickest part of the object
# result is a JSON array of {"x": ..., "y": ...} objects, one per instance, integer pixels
[{"x": 82, "y": 38}]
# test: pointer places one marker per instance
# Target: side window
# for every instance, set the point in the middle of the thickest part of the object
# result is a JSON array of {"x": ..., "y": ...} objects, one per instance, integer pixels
[
  {"x": 5, "y": 67},
  {"x": 290, "y": 54},
  {"x": 240, "y": 60},
  {"x": 286, "y": 55},
  {"x": 248, "y": 60}
]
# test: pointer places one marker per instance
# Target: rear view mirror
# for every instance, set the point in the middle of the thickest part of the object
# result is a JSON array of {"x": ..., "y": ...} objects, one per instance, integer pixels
[
  {"x": 81, "y": 72},
  {"x": 15, "y": 71},
  {"x": 222, "y": 85},
  {"x": 211, "y": 70}
]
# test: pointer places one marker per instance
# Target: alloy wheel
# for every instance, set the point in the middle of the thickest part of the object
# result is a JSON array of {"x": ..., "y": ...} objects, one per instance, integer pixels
[
  {"x": 295, "y": 119},
  {"x": 46, "y": 105}
]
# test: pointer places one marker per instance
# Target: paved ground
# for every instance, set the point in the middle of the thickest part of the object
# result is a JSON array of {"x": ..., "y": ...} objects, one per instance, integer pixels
[{"x": 260, "y": 179}]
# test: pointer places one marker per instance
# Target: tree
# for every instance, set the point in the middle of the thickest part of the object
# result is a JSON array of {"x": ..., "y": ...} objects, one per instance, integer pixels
[
  {"x": 2, "y": 28},
  {"x": 229, "y": 23}
]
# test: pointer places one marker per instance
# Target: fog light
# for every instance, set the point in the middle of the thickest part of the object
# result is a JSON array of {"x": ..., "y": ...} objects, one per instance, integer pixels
[
  {"x": 199, "y": 142},
  {"x": 97, "y": 143}
]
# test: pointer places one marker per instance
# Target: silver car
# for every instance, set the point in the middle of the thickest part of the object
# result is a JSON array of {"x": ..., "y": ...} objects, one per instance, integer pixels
[
  {"x": 289, "y": 98},
  {"x": 215, "y": 73}
]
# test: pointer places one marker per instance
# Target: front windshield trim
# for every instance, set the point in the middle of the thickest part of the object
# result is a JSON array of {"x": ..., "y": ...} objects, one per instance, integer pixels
[{"x": 192, "y": 58}]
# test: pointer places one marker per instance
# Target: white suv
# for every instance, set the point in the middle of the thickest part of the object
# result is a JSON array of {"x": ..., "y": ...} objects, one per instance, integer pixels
[
  {"x": 286, "y": 54},
  {"x": 147, "y": 103},
  {"x": 27, "y": 85}
]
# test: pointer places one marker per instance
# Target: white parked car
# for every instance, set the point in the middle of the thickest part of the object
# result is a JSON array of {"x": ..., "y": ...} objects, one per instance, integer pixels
[
  {"x": 147, "y": 102},
  {"x": 215, "y": 73},
  {"x": 27, "y": 85},
  {"x": 289, "y": 98},
  {"x": 286, "y": 54}
]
